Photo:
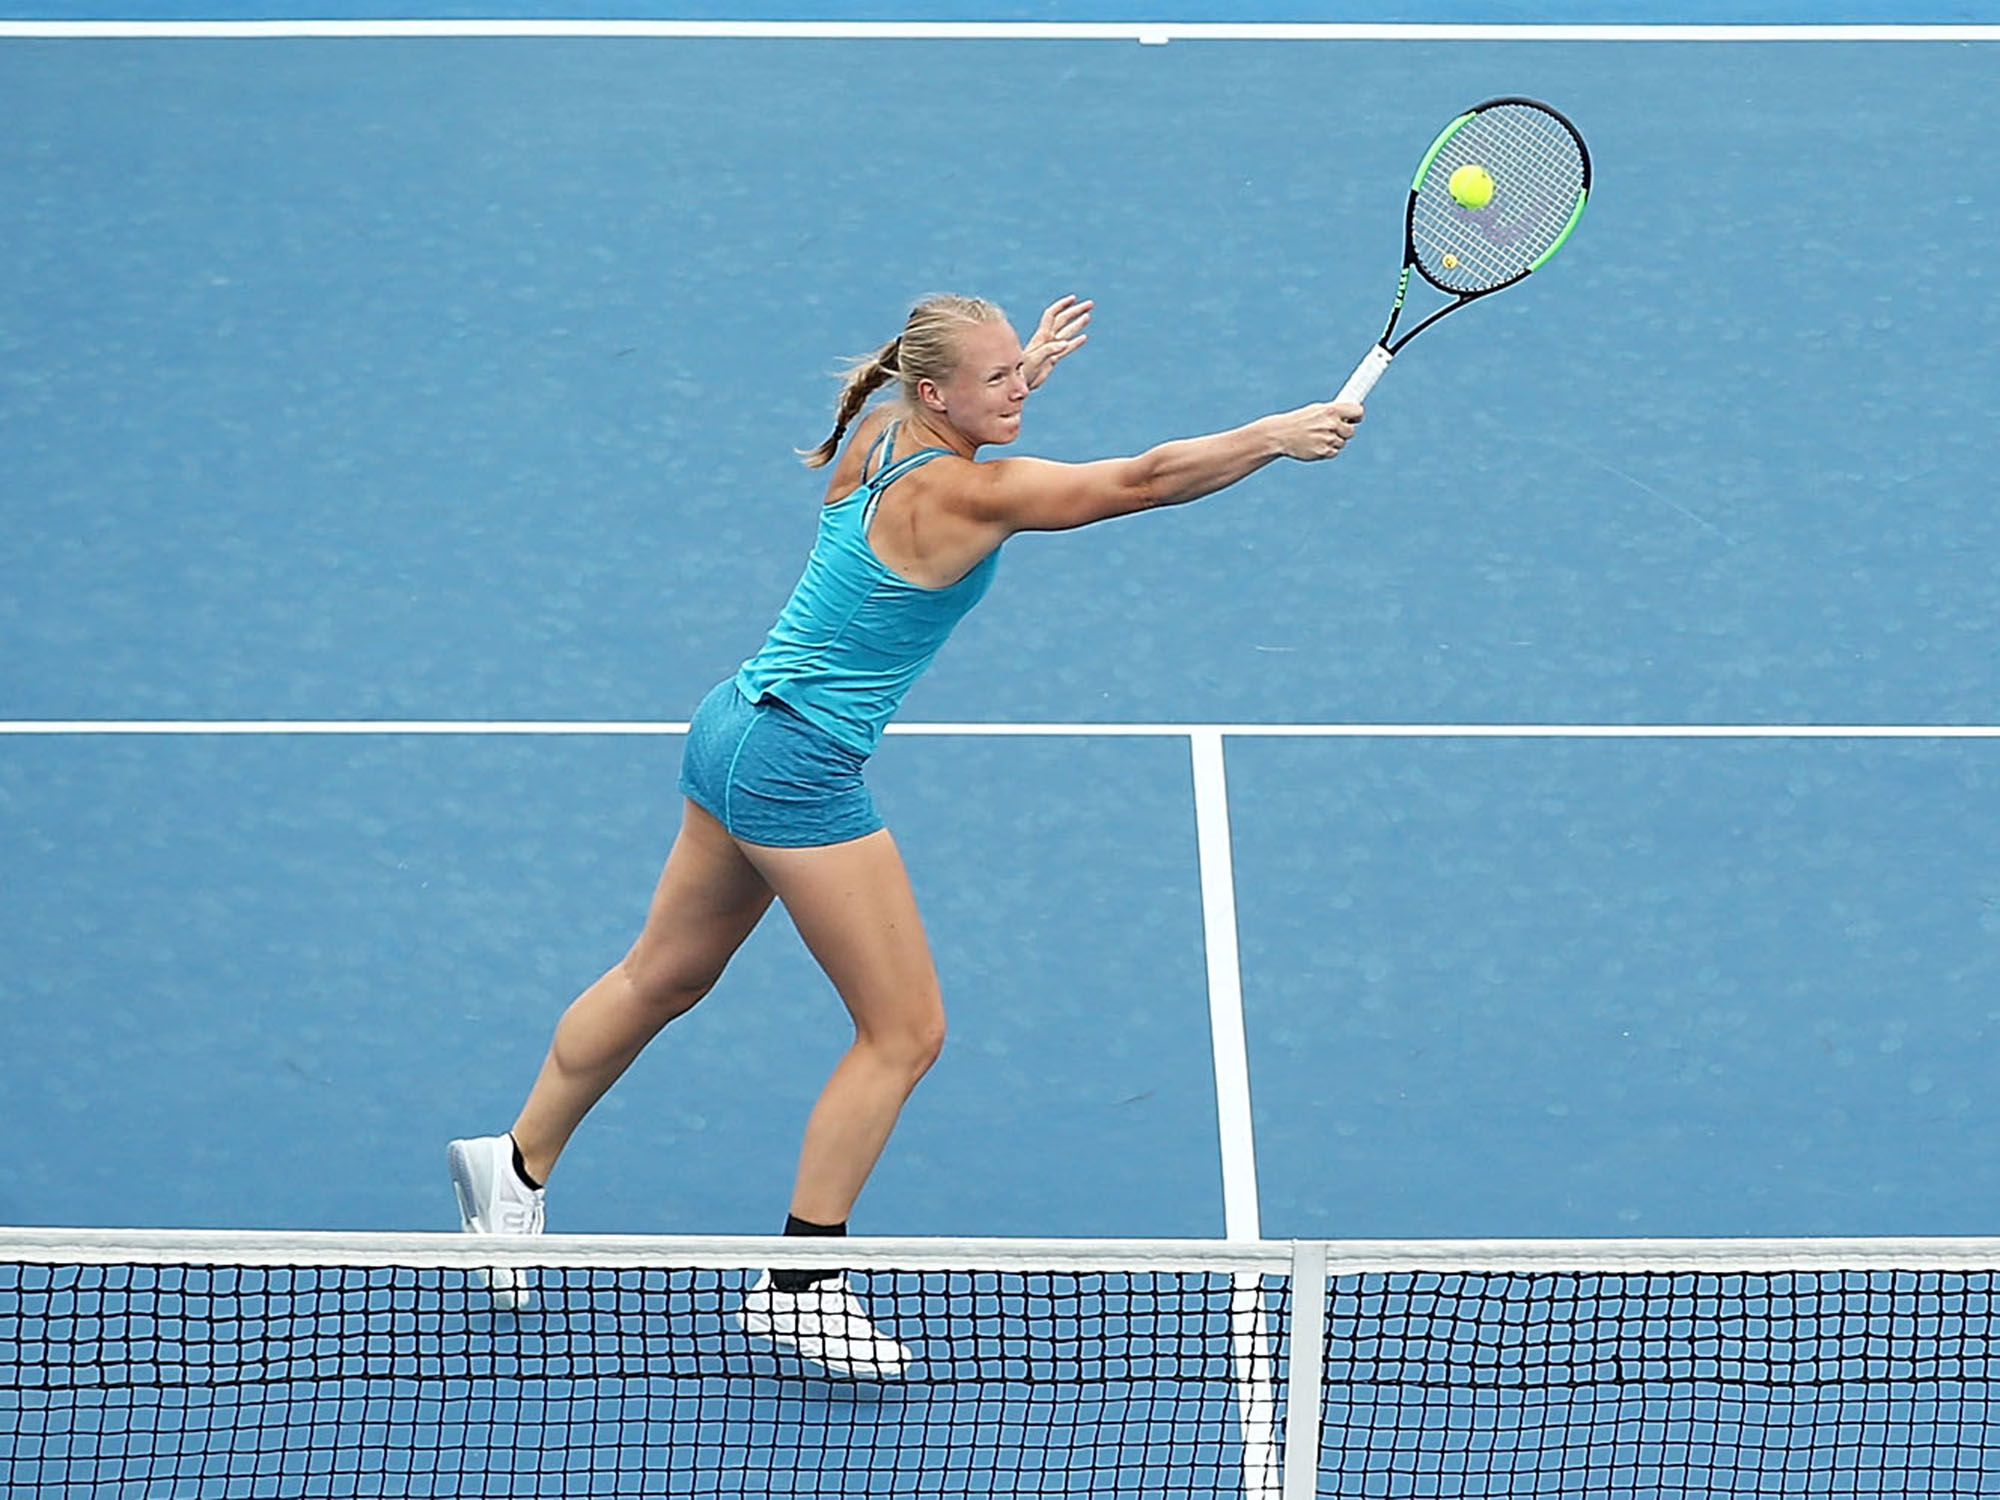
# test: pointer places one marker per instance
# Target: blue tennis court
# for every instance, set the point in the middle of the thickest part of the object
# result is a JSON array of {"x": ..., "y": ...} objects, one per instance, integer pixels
[{"x": 390, "y": 467}]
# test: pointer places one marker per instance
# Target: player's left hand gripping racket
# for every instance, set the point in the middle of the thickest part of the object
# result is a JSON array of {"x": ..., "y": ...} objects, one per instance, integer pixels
[{"x": 1532, "y": 171}]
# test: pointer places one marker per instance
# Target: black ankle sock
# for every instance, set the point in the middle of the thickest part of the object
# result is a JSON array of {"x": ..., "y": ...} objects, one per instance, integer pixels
[
  {"x": 521, "y": 1167},
  {"x": 798, "y": 1281}
]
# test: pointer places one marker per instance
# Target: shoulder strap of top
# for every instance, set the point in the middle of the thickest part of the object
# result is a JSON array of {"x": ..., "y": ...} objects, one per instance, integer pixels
[
  {"x": 903, "y": 465},
  {"x": 873, "y": 485},
  {"x": 884, "y": 476},
  {"x": 884, "y": 445},
  {"x": 890, "y": 475}
]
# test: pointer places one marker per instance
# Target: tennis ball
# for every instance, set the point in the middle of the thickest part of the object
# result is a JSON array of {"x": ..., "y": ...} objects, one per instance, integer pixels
[{"x": 1471, "y": 186}]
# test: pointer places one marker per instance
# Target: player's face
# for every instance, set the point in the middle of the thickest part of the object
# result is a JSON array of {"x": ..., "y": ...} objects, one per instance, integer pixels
[{"x": 984, "y": 395}]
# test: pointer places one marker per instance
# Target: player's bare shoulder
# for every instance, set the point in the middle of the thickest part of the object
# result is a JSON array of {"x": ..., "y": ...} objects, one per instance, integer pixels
[{"x": 981, "y": 491}]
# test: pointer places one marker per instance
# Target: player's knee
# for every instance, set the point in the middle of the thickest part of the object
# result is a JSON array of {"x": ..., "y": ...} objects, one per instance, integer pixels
[
  {"x": 666, "y": 988},
  {"x": 929, "y": 1043},
  {"x": 912, "y": 1044}
]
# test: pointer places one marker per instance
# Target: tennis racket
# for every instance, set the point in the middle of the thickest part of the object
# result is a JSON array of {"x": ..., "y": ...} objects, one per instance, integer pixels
[{"x": 1497, "y": 194}]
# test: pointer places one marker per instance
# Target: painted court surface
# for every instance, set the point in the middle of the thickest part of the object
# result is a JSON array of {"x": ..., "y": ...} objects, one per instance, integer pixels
[{"x": 411, "y": 379}]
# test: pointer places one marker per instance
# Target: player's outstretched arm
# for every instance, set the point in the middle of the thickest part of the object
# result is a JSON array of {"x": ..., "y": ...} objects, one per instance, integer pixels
[{"x": 1029, "y": 494}]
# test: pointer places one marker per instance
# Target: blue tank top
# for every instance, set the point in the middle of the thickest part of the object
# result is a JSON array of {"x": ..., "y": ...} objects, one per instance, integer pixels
[{"x": 854, "y": 634}]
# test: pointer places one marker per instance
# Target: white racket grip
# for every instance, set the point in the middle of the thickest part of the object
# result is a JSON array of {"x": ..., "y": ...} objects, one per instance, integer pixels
[{"x": 1362, "y": 381}]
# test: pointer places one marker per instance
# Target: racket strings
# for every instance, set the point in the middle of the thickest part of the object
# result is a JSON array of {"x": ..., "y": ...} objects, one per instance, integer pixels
[
  {"x": 1534, "y": 196},
  {"x": 1539, "y": 177}
]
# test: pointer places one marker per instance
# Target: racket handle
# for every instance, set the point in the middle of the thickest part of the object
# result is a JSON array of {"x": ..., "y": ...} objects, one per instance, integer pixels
[{"x": 1362, "y": 381}]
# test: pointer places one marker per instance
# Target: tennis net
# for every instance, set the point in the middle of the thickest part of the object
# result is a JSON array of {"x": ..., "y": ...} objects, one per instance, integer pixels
[{"x": 182, "y": 1364}]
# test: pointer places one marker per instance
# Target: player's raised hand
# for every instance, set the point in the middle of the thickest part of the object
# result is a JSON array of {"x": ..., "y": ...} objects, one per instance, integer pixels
[{"x": 1059, "y": 333}]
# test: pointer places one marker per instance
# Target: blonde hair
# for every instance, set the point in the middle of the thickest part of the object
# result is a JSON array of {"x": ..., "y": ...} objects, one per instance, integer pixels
[{"x": 927, "y": 349}]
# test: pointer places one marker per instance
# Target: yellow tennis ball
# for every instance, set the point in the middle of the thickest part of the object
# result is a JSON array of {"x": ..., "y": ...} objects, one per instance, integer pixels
[
  {"x": 1471, "y": 186},
  {"x": 1450, "y": 261}
]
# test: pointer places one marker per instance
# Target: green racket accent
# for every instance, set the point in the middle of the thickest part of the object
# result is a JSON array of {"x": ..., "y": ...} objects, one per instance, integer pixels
[
  {"x": 1438, "y": 145},
  {"x": 1402, "y": 286},
  {"x": 1568, "y": 229}
]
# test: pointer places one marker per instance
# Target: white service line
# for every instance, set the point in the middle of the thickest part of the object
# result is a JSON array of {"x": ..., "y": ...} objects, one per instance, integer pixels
[
  {"x": 1240, "y": 1217},
  {"x": 338, "y": 726},
  {"x": 1485, "y": 731},
  {"x": 1149, "y": 32},
  {"x": 1005, "y": 730}
]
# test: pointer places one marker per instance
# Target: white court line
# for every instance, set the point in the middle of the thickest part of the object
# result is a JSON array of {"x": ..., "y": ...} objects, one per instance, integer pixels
[
  {"x": 339, "y": 726},
  {"x": 1252, "y": 1368},
  {"x": 1007, "y": 730},
  {"x": 1484, "y": 731},
  {"x": 1240, "y": 1217},
  {"x": 1126, "y": 31}
]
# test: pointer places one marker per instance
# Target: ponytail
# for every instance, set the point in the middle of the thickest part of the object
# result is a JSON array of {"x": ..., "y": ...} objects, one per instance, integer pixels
[{"x": 864, "y": 378}]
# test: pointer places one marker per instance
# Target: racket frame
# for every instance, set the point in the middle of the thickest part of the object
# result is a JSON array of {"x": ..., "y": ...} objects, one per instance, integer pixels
[{"x": 1377, "y": 360}]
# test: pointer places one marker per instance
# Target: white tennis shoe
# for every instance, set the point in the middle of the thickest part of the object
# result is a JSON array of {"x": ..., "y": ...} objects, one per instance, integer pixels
[
  {"x": 823, "y": 1324},
  {"x": 492, "y": 1199}
]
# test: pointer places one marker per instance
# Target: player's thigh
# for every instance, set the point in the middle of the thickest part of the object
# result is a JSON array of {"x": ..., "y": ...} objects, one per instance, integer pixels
[
  {"x": 854, "y": 908},
  {"x": 709, "y": 899}
]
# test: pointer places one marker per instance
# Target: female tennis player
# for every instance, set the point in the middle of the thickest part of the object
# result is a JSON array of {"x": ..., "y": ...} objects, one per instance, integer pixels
[{"x": 909, "y": 535}]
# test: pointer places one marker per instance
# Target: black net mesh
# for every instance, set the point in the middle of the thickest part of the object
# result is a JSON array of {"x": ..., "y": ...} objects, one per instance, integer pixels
[
  {"x": 175, "y": 1381},
  {"x": 171, "y": 1381},
  {"x": 1658, "y": 1384}
]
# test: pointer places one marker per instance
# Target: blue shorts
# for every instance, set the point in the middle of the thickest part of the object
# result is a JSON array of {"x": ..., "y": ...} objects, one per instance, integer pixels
[{"x": 771, "y": 777}]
